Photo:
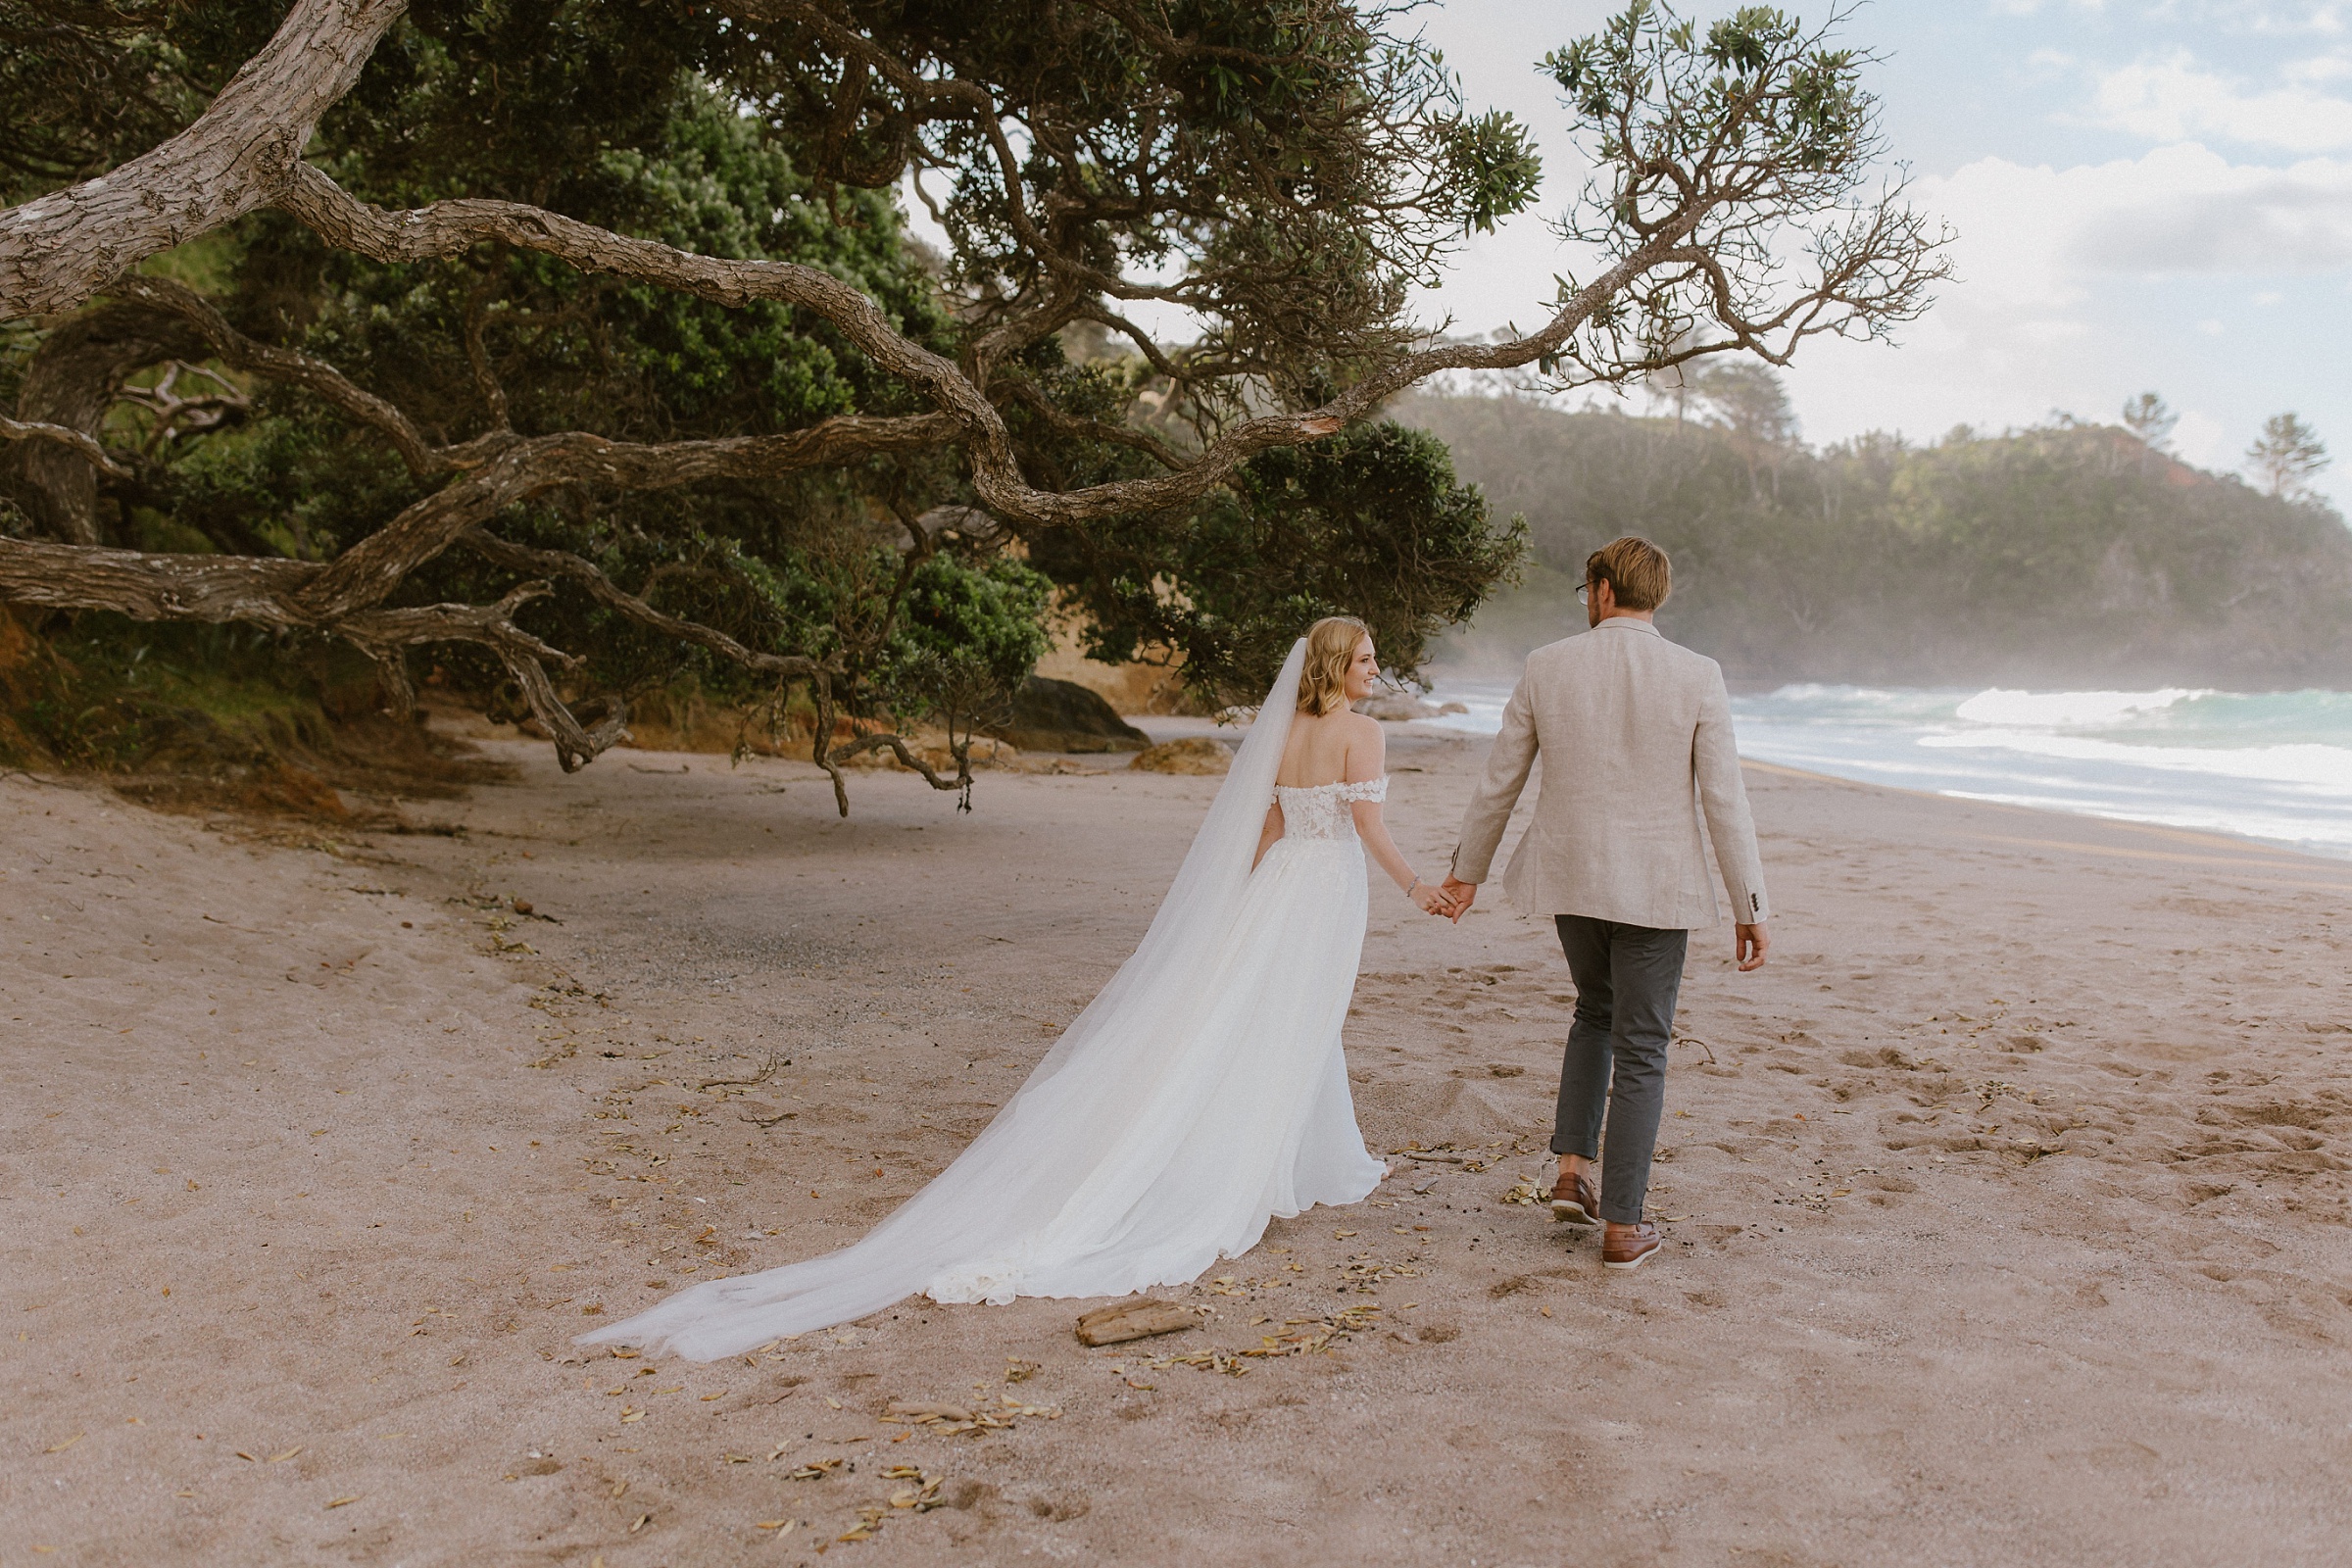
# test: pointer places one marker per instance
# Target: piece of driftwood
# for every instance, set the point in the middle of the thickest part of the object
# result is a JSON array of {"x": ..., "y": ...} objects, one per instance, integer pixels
[{"x": 1134, "y": 1320}]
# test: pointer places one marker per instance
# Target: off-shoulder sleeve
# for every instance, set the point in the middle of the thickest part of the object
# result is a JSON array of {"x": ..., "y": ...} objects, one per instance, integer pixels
[{"x": 1371, "y": 788}]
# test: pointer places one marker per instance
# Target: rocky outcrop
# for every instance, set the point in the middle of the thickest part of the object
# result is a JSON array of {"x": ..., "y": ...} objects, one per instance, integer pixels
[
  {"x": 1061, "y": 716},
  {"x": 1402, "y": 707},
  {"x": 1195, "y": 754}
]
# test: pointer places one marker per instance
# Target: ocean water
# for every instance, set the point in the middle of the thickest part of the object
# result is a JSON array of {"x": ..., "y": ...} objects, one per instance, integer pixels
[{"x": 2268, "y": 765}]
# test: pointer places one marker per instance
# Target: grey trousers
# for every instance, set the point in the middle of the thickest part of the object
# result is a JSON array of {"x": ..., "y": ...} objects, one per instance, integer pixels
[{"x": 1627, "y": 978}]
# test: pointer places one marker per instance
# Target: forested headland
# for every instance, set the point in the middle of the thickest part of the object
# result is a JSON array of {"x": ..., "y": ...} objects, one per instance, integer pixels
[{"x": 2064, "y": 555}]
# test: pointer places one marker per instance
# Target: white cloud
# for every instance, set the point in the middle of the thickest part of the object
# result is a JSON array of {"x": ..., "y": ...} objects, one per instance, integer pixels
[
  {"x": 2173, "y": 99},
  {"x": 2260, "y": 17},
  {"x": 2036, "y": 242},
  {"x": 2028, "y": 8},
  {"x": 2028, "y": 324},
  {"x": 2032, "y": 239},
  {"x": 2188, "y": 210},
  {"x": 2326, "y": 17}
]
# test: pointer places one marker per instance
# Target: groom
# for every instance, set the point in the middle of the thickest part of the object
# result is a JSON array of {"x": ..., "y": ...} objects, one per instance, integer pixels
[{"x": 1636, "y": 741}]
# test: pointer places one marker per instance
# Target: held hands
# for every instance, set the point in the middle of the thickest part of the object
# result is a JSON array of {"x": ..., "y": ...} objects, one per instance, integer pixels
[
  {"x": 1463, "y": 893},
  {"x": 1450, "y": 899},
  {"x": 1433, "y": 901}
]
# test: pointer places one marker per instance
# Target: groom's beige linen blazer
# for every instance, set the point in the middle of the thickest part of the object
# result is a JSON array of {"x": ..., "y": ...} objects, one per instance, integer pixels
[{"x": 1636, "y": 736}]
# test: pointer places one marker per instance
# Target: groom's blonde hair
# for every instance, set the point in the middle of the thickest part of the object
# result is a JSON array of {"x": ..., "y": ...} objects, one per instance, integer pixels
[
  {"x": 1637, "y": 571},
  {"x": 1331, "y": 644}
]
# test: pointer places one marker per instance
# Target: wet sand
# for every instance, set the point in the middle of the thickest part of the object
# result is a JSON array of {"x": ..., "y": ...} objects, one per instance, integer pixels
[{"x": 2007, "y": 1207}]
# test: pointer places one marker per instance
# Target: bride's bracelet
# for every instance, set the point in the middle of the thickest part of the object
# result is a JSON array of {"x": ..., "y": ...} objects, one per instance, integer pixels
[{"x": 1415, "y": 888}]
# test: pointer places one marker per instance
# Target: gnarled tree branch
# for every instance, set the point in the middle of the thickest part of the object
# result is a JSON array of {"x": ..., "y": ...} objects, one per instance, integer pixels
[
  {"x": 605, "y": 592},
  {"x": 58, "y": 250},
  {"x": 74, "y": 377},
  {"x": 147, "y": 586},
  {"x": 316, "y": 376},
  {"x": 446, "y": 228},
  {"x": 80, "y": 441}
]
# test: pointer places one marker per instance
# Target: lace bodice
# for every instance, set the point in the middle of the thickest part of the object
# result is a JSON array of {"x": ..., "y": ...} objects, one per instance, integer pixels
[{"x": 1321, "y": 811}]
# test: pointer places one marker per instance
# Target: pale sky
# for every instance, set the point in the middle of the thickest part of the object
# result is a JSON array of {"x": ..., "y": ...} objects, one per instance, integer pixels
[{"x": 2152, "y": 195}]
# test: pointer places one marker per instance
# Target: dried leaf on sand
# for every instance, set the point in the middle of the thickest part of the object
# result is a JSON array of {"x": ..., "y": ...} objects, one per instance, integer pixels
[{"x": 948, "y": 1420}]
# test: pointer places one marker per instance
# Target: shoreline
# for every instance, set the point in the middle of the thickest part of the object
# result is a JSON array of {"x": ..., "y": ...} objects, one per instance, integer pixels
[
  {"x": 2273, "y": 771},
  {"x": 2206, "y": 836},
  {"x": 2020, "y": 1094}
]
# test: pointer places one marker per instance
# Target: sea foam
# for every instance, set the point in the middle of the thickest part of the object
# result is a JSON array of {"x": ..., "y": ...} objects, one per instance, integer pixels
[{"x": 2269, "y": 765}]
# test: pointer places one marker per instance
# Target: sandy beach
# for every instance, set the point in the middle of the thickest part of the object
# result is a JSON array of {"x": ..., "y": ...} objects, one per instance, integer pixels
[{"x": 2007, "y": 1207}]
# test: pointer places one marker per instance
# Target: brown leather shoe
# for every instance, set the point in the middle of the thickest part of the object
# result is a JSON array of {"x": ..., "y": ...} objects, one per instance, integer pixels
[
  {"x": 1576, "y": 1204},
  {"x": 1629, "y": 1247}
]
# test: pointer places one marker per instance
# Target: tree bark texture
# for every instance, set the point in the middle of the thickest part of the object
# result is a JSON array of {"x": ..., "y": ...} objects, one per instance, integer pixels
[{"x": 57, "y": 251}]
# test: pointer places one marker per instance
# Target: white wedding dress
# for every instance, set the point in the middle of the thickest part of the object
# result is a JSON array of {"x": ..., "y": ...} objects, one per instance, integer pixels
[{"x": 1202, "y": 1093}]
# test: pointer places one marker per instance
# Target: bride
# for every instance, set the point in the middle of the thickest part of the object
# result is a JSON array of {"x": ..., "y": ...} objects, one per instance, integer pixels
[{"x": 1202, "y": 1093}]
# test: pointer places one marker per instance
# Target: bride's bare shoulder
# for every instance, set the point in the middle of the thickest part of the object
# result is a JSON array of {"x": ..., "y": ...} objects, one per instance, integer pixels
[
  {"x": 1344, "y": 722},
  {"x": 1346, "y": 726}
]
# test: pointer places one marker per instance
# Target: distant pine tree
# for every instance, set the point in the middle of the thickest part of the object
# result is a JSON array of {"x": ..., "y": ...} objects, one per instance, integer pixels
[{"x": 2288, "y": 455}]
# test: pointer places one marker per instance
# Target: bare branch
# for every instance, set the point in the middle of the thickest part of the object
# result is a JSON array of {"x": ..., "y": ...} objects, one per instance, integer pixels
[
  {"x": 243, "y": 588},
  {"x": 86, "y": 445},
  {"x": 522, "y": 469},
  {"x": 477, "y": 356},
  {"x": 72, "y": 380},
  {"x": 830, "y": 757},
  {"x": 446, "y": 229},
  {"x": 1151, "y": 351},
  {"x": 177, "y": 414},
  {"x": 384, "y": 633},
  {"x": 58, "y": 250}
]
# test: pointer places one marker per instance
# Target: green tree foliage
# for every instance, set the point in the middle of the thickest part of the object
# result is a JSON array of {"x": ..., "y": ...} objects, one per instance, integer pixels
[
  {"x": 1370, "y": 523},
  {"x": 2150, "y": 419},
  {"x": 2063, "y": 553},
  {"x": 582, "y": 337},
  {"x": 652, "y": 121},
  {"x": 88, "y": 84},
  {"x": 2288, "y": 455}
]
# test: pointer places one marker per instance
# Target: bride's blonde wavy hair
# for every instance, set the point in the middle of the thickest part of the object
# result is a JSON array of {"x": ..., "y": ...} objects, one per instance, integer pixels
[{"x": 1331, "y": 644}]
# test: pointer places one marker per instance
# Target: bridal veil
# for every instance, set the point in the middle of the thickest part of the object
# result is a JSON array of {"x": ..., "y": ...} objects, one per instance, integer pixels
[{"x": 1051, "y": 1198}]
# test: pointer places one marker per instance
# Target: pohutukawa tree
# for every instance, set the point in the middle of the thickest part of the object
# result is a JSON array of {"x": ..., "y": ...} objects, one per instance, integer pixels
[{"x": 584, "y": 339}]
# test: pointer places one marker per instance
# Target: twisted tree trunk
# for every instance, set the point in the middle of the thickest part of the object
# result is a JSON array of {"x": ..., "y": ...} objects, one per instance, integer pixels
[{"x": 74, "y": 377}]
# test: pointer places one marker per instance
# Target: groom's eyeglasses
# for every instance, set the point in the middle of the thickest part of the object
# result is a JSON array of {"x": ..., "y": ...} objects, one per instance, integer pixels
[{"x": 1583, "y": 593}]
